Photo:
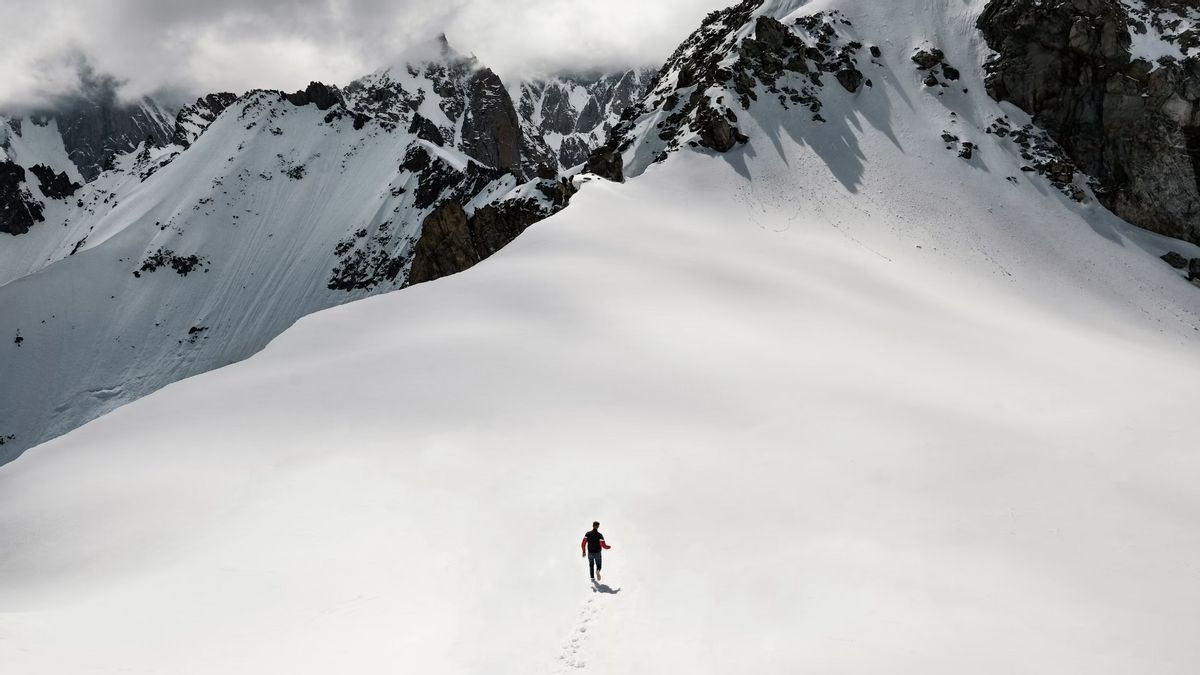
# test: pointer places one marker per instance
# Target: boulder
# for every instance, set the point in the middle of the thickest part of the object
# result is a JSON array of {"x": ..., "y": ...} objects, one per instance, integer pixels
[
  {"x": 606, "y": 161},
  {"x": 849, "y": 78},
  {"x": 926, "y": 59},
  {"x": 317, "y": 93},
  {"x": 1175, "y": 260}
]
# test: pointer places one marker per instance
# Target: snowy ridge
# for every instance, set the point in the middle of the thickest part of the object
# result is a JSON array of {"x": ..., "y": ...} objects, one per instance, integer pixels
[
  {"x": 193, "y": 254},
  {"x": 844, "y": 397}
]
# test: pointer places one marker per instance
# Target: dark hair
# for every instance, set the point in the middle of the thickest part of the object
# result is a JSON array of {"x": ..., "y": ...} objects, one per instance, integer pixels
[{"x": 595, "y": 523}]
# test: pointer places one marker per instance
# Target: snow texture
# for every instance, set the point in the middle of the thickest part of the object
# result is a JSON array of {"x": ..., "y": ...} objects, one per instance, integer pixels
[{"x": 842, "y": 400}]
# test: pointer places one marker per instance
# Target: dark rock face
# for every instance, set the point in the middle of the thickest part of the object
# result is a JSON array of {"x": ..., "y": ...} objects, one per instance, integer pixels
[
  {"x": 426, "y": 130},
  {"x": 928, "y": 58},
  {"x": 573, "y": 151},
  {"x": 1134, "y": 128},
  {"x": 606, "y": 162},
  {"x": 321, "y": 95},
  {"x": 715, "y": 130},
  {"x": 445, "y": 246},
  {"x": 19, "y": 211},
  {"x": 192, "y": 120},
  {"x": 849, "y": 78},
  {"x": 491, "y": 131},
  {"x": 54, "y": 185},
  {"x": 451, "y": 242},
  {"x": 546, "y": 108},
  {"x": 1194, "y": 269},
  {"x": 1175, "y": 260},
  {"x": 96, "y": 126}
]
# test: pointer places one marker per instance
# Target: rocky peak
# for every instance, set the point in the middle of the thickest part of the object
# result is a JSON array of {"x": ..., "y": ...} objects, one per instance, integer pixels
[
  {"x": 453, "y": 100},
  {"x": 575, "y": 112},
  {"x": 752, "y": 51},
  {"x": 192, "y": 120},
  {"x": 1126, "y": 112}
]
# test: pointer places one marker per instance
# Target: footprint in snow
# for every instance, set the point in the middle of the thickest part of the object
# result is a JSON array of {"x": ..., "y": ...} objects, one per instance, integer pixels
[{"x": 570, "y": 656}]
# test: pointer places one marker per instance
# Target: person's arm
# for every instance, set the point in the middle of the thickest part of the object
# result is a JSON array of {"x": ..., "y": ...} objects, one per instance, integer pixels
[
  {"x": 583, "y": 548},
  {"x": 604, "y": 545}
]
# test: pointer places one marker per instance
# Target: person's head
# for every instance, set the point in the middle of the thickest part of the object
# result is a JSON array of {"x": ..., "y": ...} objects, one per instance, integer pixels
[{"x": 595, "y": 525}]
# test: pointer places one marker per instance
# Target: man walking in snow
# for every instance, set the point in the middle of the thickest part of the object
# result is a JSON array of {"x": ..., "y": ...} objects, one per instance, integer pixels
[{"x": 592, "y": 544}]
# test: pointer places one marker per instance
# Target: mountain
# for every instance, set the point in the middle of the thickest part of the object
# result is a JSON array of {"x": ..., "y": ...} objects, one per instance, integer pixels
[
  {"x": 193, "y": 253},
  {"x": 575, "y": 112},
  {"x": 1117, "y": 85},
  {"x": 848, "y": 389},
  {"x": 83, "y": 132}
]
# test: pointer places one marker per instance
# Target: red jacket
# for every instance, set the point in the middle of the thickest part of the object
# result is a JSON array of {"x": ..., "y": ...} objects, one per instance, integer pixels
[{"x": 583, "y": 545}]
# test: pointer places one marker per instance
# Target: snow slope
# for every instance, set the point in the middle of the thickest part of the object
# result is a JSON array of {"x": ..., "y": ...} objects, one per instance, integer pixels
[{"x": 842, "y": 401}]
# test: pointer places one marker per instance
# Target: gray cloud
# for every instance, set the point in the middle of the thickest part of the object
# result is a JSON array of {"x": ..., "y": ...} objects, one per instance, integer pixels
[{"x": 235, "y": 45}]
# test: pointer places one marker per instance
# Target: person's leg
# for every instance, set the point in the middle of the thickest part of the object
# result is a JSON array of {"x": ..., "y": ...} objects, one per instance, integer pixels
[
  {"x": 599, "y": 562},
  {"x": 592, "y": 566}
]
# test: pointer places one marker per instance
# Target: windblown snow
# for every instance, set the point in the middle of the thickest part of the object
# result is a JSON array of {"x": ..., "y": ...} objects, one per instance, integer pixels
[{"x": 842, "y": 400}]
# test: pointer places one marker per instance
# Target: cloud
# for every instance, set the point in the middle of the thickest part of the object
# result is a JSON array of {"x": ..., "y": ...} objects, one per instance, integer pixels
[{"x": 235, "y": 45}]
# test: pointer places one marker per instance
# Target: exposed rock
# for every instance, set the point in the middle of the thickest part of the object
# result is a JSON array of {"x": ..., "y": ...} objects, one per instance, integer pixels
[
  {"x": 19, "y": 211},
  {"x": 451, "y": 242},
  {"x": 425, "y": 129},
  {"x": 1175, "y": 260},
  {"x": 606, "y": 162},
  {"x": 366, "y": 262},
  {"x": 558, "y": 115},
  {"x": 491, "y": 131},
  {"x": 927, "y": 59},
  {"x": 319, "y": 94},
  {"x": 573, "y": 152},
  {"x": 192, "y": 120},
  {"x": 54, "y": 185},
  {"x": 163, "y": 257},
  {"x": 445, "y": 245},
  {"x": 850, "y": 78},
  {"x": 1194, "y": 269},
  {"x": 96, "y": 125},
  {"x": 1132, "y": 127},
  {"x": 715, "y": 131}
]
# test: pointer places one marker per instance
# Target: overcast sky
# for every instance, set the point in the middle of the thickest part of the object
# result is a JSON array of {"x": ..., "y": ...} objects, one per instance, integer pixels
[{"x": 234, "y": 45}]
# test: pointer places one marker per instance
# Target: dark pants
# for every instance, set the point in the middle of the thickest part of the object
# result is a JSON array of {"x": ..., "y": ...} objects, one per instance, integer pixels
[{"x": 593, "y": 563}]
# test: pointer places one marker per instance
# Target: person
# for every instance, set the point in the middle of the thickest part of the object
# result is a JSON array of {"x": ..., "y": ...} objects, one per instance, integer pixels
[{"x": 592, "y": 544}]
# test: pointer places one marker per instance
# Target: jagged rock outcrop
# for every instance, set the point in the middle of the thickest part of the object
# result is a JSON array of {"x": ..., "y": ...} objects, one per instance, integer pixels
[
  {"x": 96, "y": 125},
  {"x": 319, "y": 94},
  {"x": 738, "y": 58},
  {"x": 607, "y": 162},
  {"x": 476, "y": 112},
  {"x": 19, "y": 211},
  {"x": 192, "y": 120},
  {"x": 54, "y": 185},
  {"x": 451, "y": 241},
  {"x": 1132, "y": 125},
  {"x": 491, "y": 131},
  {"x": 575, "y": 111}
]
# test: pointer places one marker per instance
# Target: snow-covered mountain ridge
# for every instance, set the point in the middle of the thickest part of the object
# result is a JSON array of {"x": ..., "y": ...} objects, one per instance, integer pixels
[
  {"x": 844, "y": 397},
  {"x": 193, "y": 253}
]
